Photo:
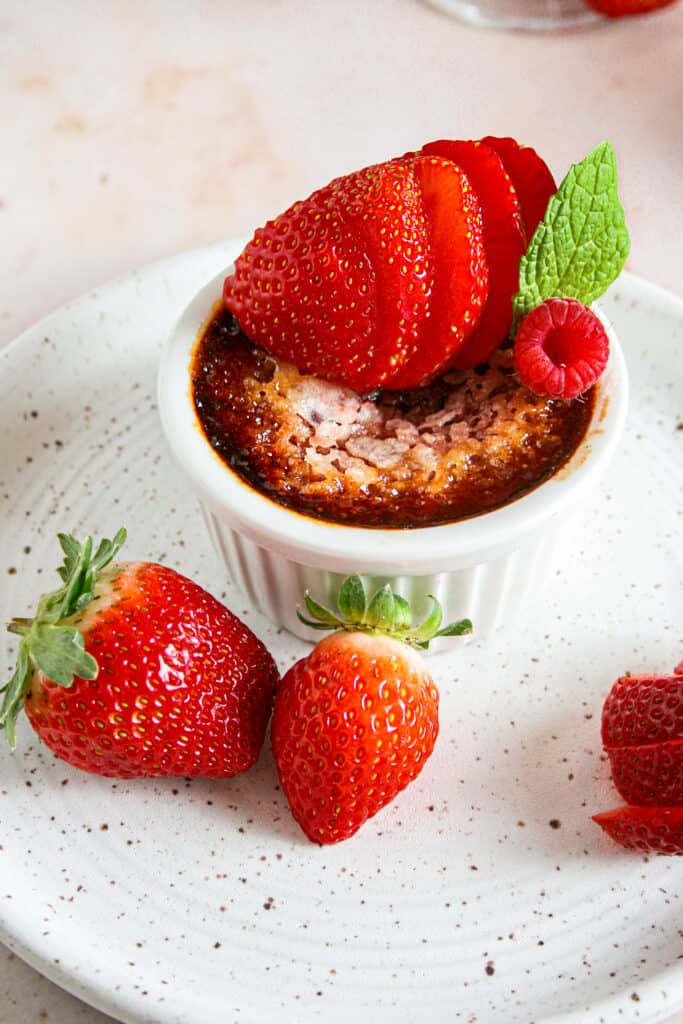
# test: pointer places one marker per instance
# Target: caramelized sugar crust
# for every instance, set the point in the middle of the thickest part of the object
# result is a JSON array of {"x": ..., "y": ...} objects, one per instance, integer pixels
[{"x": 470, "y": 442}]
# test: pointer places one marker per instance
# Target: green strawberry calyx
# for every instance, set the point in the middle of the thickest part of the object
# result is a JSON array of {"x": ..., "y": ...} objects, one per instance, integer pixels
[
  {"x": 384, "y": 614},
  {"x": 47, "y": 644},
  {"x": 581, "y": 245}
]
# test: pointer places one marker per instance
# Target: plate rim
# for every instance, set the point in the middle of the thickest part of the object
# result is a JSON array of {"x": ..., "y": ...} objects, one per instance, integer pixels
[{"x": 126, "y": 1005}]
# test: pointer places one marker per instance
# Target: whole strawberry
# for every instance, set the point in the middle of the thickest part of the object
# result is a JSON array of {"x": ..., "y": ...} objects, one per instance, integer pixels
[
  {"x": 356, "y": 720},
  {"x": 130, "y": 669}
]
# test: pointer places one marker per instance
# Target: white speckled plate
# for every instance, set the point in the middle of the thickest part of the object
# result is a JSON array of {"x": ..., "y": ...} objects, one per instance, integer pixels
[{"x": 484, "y": 893}]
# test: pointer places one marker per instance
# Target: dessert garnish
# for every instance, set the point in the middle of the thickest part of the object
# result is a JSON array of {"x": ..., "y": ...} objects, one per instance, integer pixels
[
  {"x": 375, "y": 267},
  {"x": 580, "y": 246},
  {"x": 504, "y": 243},
  {"x": 395, "y": 274},
  {"x": 577, "y": 251},
  {"x": 402, "y": 348},
  {"x": 130, "y": 669},
  {"x": 531, "y": 178},
  {"x": 561, "y": 349},
  {"x": 642, "y": 733},
  {"x": 356, "y": 719}
]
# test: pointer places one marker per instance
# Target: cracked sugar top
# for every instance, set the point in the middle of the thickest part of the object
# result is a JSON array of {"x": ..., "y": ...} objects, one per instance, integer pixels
[{"x": 468, "y": 443}]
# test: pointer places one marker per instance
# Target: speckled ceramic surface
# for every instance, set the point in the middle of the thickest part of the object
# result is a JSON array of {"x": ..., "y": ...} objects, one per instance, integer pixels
[{"x": 484, "y": 893}]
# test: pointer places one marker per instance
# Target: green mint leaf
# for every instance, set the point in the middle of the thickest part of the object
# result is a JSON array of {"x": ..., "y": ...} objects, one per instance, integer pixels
[
  {"x": 59, "y": 653},
  {"x": 580, "y": 247},
  {"x": 351, "y": 599}
]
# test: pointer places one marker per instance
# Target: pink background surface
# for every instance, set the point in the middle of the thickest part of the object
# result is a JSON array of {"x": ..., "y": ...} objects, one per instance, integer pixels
[{"x": 134, "y": 130}]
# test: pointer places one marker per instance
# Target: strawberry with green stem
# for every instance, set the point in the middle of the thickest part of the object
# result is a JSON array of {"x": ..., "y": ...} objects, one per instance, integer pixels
[
  {"x": 356, "y": 719},
  {"x": 131, "y": 669}
]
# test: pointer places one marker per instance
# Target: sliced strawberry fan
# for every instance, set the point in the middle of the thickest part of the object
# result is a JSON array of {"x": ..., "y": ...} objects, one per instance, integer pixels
[
  {"x": 382, "y": 208},
  {"x": 642, "y": 733},
  {"x": 374, "y": 281},
  {"x": 389, "y": 276},
  {"x": 530, "y": 175},
  {"x": 504, "y": 243},
  {"x": 302, "y": 279},
  {"x": 461, "y": 274}
]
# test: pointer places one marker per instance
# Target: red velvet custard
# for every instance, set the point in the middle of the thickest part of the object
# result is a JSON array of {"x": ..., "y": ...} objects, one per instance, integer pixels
[{"x": 468, "y": 443}]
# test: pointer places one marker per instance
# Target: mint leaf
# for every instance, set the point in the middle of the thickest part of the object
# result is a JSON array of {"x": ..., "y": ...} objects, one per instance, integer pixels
[{"x": 581, "y": 245}]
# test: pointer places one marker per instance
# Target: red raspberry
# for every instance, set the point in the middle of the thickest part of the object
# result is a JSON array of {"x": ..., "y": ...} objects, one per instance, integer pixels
[{"x": 561, "y": 349}]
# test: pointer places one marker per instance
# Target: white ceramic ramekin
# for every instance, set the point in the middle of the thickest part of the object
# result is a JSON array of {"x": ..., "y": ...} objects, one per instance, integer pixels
[{"x": 480, "y": 568}]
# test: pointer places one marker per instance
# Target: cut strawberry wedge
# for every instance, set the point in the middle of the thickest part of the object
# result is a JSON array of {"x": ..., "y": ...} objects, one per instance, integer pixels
[
  {"x": 650, "y": 829},
  {"x": 382, "y": 208},
  {"x": 460, "y": 270},
  {"x": 643, "y": 709},
  {"x": 649, "y": 774},
  {"x": 531, "y": 176},
  {"x": 504, "y": 242},
  {"x": 303, "y": 278}
]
